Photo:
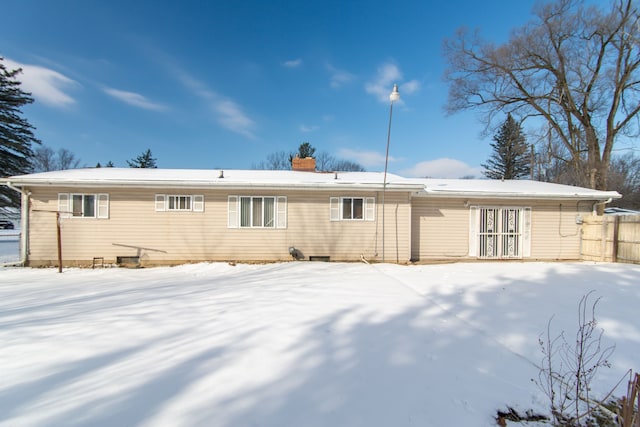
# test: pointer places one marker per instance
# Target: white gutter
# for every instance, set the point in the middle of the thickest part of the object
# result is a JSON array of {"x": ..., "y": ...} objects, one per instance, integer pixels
[
  {"x": 520, "y": 195},
  {"x": 24, "y": 223}
]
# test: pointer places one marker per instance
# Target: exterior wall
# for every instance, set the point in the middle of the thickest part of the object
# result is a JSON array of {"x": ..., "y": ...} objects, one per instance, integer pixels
[
  {"x": 440, "y": 227},
  {"x": 134, "y": 228}
]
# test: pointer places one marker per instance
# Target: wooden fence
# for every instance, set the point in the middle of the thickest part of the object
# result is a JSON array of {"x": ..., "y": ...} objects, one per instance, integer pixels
[{"x": 611, "y": 238}]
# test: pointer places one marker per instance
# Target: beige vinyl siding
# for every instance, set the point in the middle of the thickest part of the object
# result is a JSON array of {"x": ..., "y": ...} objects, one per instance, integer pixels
[
  {"x": 555, "y": 234},
  {"x": 135, "y": 228},
  {"x": 440, "y": 227}
]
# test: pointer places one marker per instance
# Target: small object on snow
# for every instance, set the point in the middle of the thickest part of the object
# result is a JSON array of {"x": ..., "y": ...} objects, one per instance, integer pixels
[{"x": 296, "y": 253}]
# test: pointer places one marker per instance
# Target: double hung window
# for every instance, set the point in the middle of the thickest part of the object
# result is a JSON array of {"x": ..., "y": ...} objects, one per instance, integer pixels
[
  {"x": 82, "y": 205},
  {"x": 352, "y": 208},
  {"x": 257, "y": 212}
]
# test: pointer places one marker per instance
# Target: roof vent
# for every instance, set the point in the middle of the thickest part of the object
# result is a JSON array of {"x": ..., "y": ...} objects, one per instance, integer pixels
[
  {"x": 221, "y": 174},
  {"x": 336, "y": 175}
]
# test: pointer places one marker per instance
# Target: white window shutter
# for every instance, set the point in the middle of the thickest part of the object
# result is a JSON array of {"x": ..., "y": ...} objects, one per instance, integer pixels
[
  {"x": 526, "y": 232},
  {"x": 282, "y": 212},
  {"x": 103, "y": 206},
  {"x": 63, "y": 205},
  {"x": 370, "y": 209},
  {"x": 473, "y": 231},
  {"x": 232, "y": 212},
  {"x": 198, "y": 203},
  {"x": 334, "y": 209},
  {"x": 160, "y": 202}
]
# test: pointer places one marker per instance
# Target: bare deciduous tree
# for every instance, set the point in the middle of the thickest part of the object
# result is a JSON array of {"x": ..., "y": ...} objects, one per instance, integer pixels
[
  {"x": 575, "y": 67},
  {"x": 624, "y": 177},
  {"x": 279, "y": 160},
  {"x": 45, "y": 159}
]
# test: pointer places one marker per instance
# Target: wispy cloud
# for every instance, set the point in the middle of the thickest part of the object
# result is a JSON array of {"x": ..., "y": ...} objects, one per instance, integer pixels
[
  {"x": 293, "y": 63},
  {"x": 228, "y": 113},
  {"x": 339, "y": 77},
  {"x": 194, "y": 85},
  {"x": 46, "y": 85},
  {"x": 412, "y": 86},
  {"x": 365, "y": 158},
  {"x": 231, "y": 117},
  {"x": 442, "y": 168},
  {"x": 135, "y": 99},
  {"x": 382, "y": 83},
  {"x": 307, "y": 129}
]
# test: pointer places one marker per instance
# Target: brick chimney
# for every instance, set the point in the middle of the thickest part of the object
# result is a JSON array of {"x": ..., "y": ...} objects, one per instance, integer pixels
[{"x": 308, "y": 164}]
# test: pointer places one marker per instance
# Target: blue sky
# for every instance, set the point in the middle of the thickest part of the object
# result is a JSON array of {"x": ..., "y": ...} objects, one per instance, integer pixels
[{"x": 222, "y": 84}]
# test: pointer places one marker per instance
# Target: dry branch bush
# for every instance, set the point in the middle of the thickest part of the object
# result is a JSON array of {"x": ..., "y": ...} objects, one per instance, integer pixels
[{"x": 568, "y": 368}]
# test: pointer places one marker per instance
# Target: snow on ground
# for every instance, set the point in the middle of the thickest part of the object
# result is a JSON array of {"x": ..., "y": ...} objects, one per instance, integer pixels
[{"x": 295, "y": 344}]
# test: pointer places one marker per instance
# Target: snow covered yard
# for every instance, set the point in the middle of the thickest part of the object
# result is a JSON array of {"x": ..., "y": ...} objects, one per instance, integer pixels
[{"x": 295, "y": 344}]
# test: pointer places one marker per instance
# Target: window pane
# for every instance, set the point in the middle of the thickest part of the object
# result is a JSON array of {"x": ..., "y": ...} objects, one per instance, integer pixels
[
  {"x": 172, "y": 202},
  {"x": 269, "y": 212},
  {"x": 357, "y": 209},
  {"x": 76, "y": 207},
  {"x": 257, "y": 212},
  {"x": 160, "y": 202},
  {"x": 346, "y": 209},
  {"x": 232, "y": 220},
  {"x": 245, "y": 212},
  {"x": 89, "y": 205},
  {"x": 185, "y": 203}
]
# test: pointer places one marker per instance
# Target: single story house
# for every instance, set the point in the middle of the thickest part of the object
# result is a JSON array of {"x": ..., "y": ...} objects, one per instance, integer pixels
[{"x": 164, "y": 217}]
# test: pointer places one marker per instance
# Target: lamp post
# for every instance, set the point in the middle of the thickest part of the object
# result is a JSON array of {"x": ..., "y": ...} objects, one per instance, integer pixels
[{"x": 395, "y": 96}]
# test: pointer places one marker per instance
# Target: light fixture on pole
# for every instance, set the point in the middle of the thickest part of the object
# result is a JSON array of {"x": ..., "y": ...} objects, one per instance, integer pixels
[{"x": 395, "y": 96}]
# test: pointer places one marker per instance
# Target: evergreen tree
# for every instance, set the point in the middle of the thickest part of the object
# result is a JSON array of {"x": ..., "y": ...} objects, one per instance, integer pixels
[
  {"x": 16, "y": 134},
  {"x": 144, "y": 160},
  {"x": 304, "y": 150},
  {"x": 510, "y": 158}
]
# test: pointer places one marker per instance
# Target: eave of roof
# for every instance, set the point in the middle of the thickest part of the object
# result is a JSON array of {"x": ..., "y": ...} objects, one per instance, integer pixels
[
  {"x": 231, "y": 179},
  {"x": 280, "y": 180},
  {"x": 510, "y": 189}
]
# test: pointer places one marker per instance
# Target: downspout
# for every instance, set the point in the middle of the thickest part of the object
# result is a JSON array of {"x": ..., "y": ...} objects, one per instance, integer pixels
[
  {"x": 595, "y": 205},
  {"x": 24, "y": 222}
]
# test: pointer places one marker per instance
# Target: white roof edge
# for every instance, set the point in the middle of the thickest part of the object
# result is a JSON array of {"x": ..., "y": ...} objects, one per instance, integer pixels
[
  {"x": 210, "y": 184},
  {"x": 279, "y": 180},
  {"x": 595, "y": 195}
]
